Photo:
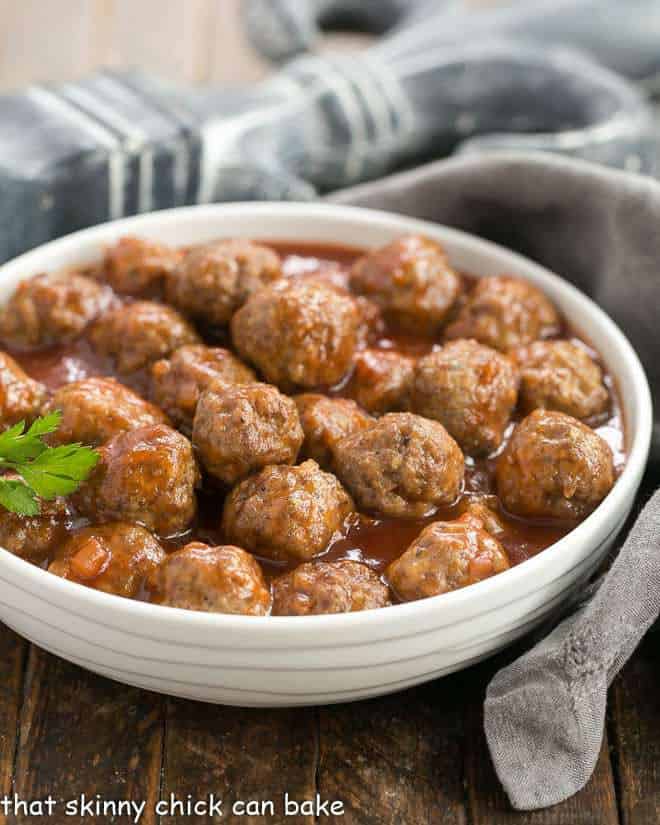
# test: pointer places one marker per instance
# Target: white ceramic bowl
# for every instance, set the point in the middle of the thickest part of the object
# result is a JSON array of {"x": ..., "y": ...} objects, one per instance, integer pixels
[{"x": 269, "y": 661}]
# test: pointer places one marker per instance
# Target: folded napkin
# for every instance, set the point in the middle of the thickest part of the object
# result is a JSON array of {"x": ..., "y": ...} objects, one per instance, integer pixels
[{"x": 544, "y": 714}]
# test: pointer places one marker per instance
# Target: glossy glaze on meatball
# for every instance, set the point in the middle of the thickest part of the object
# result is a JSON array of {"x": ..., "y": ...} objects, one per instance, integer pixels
[
  {"x": 411, "y": 280},
  {"x": 213, "y": 281},
  {"x": 560, "y": 375},
  {"x": 21, "y": 398},
  {"x": 381, "y": 380},
  {"x": 222, "y": 579},
  {"x": 177, "y": 382},
  {"x": 147, "y": 476},
  {"x": 504, "y": 313},
  {"x": 94, "y": 410},
  {"x": 320, "y": 587},
  {"x": 298, "y": 333},
  {"x": 403, "y": 466},
  {"x": 469, "y": 388},
  {"x": 140, "y": 333},
  {"x": 446, "y": 556},
  {"x": 554, "y": 466},
  {"x": 286, "y": 513},
  {"x": 240, "y": 428},
  {"x": 136, "y": 266},
  {"x": 115, "y": 558},
  {"x": 52, "y": 309},
  {"x": 325, "y": 421},
  {"x": 34, "y": 538}
]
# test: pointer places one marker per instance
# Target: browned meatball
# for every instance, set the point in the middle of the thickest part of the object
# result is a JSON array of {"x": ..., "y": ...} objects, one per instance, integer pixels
[
  {"x": 411, "y": 280},
  {"x": 52, "y": 309},
  {"x": 446, "y": 556},
  {"x": 135, "y": 266},
  {"x": 298, "y": 333},
  {"x": 381, "y": 380},
  {"x": 221, "y": 579},
  {"x": 96, "y": 409},
  {"x": 34, "y": 538},
  {"x": 213, "y": 281},
  {"x": 139, "y": 333},
  {"x": 470, "y": 389},
  {"x": 325, "y": 421},
  {"x": 554, "y": 466},
  {"x": 319, "y": 587},
  {"x": 115, "y": 558},
  {"x": 403, "y": 466},
  {"x": 505, "y": 313},
  {"x": 177, "y": 382},
  {"x": 240, "y": 428},
  {"x": 286, "y": 512},
  {"x": 147, "y": 476},
  {"x": 21, "y": 398},
  {"x": 559, "y": 375}
]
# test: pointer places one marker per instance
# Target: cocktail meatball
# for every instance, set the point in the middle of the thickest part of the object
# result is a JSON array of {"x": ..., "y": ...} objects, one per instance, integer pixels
[
  {"x": 381, "y": 380},
  {"x": 139, "y": 333},
  {"x": 147, "y": 476},
  {"x": 286, "y": 512},
  {"x": 213, "y": 281},
  {"x": 298, "y": 333},
  {"x": 21, "y": 398},
  {"x": 446, "y": 556},
  {"x": 559, "y": 375},
  {"x": 52, "y": 309},
  {"x": 177, "y": 382},
  {"x": 34, "y": 538},
  {"x": 554, "y": 466},
  {"x": 411, "y": 281},
  {"x": 222, "y": 579},
  {"x": 403, "y": 466},
  {"x": 325, "y": 421},
  {"x": 240, "y": 428},
  {"x": 135, "y": 266},
  {"x": 505, "y": 313},
  {"x": 96, "y": 409},
  {"x": 319, "y": 587},
  {"x": 470, "y": 389},
  {"x": 115, "y": 558}
]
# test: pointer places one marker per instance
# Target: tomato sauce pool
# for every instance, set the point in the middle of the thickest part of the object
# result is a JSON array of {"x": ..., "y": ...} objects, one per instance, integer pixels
[{"x": 365, "y": 538}]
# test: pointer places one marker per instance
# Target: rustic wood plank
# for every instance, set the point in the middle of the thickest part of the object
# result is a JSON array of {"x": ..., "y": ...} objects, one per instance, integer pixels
[
  {"x": 12, "y": 661},
  {"x": 80, "y": 733},
  {"x": 239, "y": 754}
]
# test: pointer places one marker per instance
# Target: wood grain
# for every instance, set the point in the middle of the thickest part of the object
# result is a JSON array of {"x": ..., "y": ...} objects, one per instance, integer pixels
[{"x": 12, "y": 661}]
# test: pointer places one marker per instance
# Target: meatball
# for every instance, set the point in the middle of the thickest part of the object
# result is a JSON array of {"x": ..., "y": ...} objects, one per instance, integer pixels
[
  {"x": 446, "y": 556},
  {"x": 559, "y": 375},
  {"x": 96, "y": 409},
  {"x": 115, "y": 558},
  {"x": 52, "y": 309},
  {"x": 134, "y": 266},
  {"x": 222, "y": 579},
  {"x": 286, "y": 513},
  {"x": 554, "y": 466},
  {"x": 147, "y": 476},
  {"x": 141, "y": 332},
  {"x": 411, "y": 280},
  {"x": 339, "y": 587},
  {"x": 505, "y": 313},
  {"x": 33, "y": 538},
  {"x": 325, "y": 421},
  {"x": 381, "y": 380},
  {"x": 240, "y": 428},
  {"x": 21, "y": 398},
  {"x": 213, "y": 281},
  {"x": 470, "y": 389},
  {"x": 177, "y": 383},
  {"x": 299, "y": 333},
  {"x": 403, "y": 466}
]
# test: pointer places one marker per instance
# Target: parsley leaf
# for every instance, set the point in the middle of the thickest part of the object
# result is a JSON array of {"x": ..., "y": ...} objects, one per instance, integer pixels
[{"x": 17, "y": 497}]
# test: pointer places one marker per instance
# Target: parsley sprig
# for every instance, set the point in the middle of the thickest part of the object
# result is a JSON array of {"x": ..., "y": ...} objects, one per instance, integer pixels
[{"x": 47, "y": 472}]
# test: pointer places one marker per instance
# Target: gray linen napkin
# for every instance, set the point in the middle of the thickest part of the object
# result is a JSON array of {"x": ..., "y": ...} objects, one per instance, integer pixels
[{"x": 544, "y": 714}]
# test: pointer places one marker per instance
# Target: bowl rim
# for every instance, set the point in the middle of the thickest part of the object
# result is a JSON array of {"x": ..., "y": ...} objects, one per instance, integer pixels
[{"x": 538, "y": 568}]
